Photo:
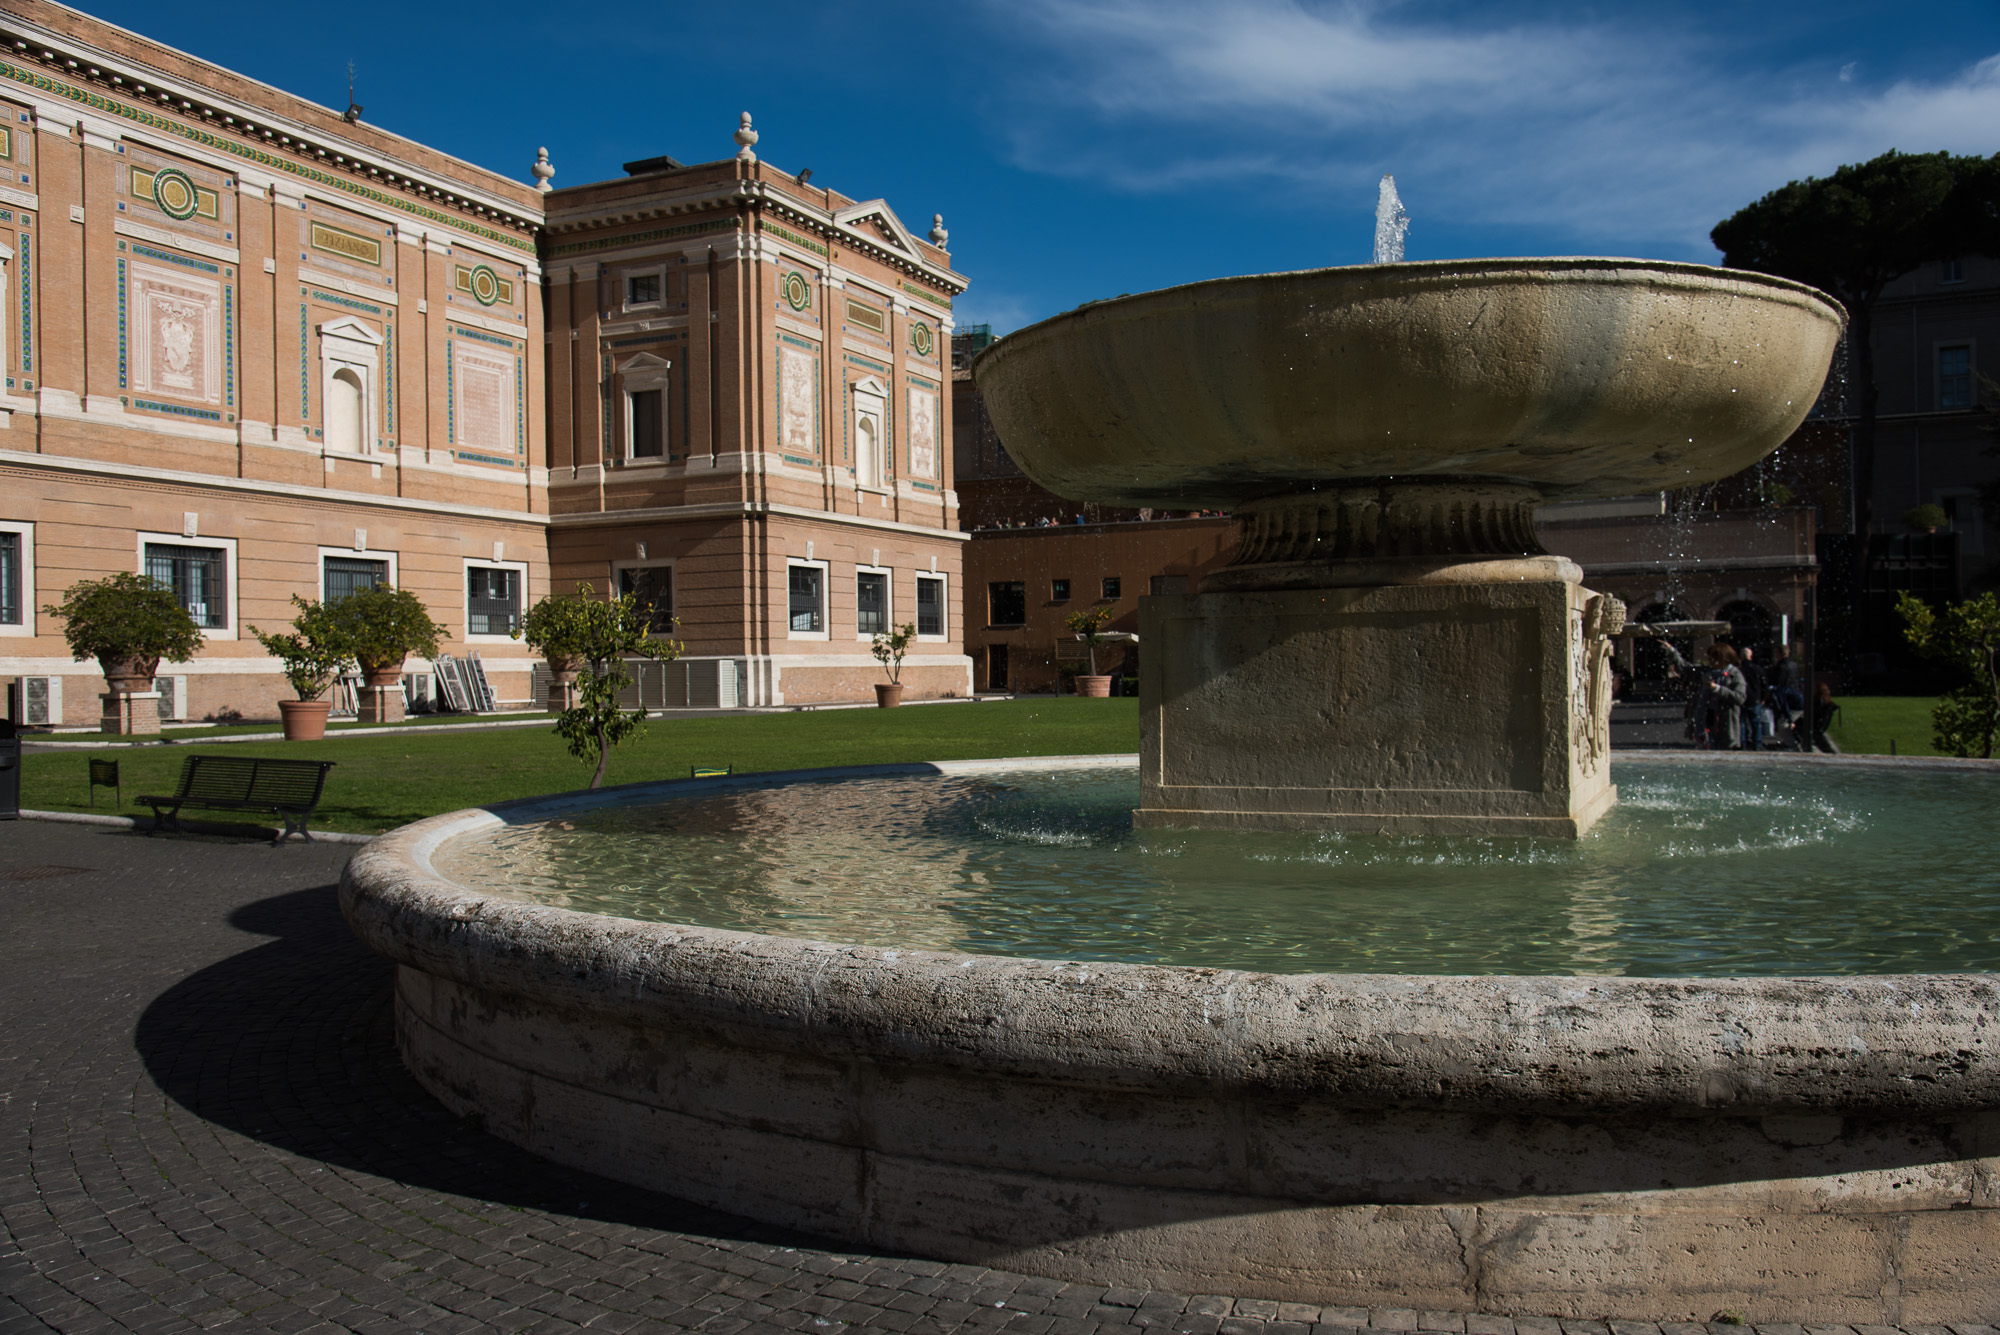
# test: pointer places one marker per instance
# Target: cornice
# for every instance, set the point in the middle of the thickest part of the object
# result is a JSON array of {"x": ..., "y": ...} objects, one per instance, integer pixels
[
  {"x": 745, "y": 509},
  {"x": 116, "y": 86}
]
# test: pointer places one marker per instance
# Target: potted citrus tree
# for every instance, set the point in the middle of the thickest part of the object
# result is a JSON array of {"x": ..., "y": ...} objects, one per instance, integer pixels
[
  {"x": 889, "y": 651},
  {"x": 128, "y": 623},
  {"x": 1088, "y": 624},
  {"x": 562, "y": 629},
  {"x": 315, "y": 652},
  {"x": 385, "y": 625}
]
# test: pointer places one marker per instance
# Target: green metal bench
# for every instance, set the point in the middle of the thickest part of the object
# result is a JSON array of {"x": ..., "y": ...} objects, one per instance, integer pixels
[{"x": 288, "y": 789}]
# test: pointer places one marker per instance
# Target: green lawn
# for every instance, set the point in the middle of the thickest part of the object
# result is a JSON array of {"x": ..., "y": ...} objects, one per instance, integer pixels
[
  {"x": 1869, "y": 723},
  {"x": 385, "y": 781}
]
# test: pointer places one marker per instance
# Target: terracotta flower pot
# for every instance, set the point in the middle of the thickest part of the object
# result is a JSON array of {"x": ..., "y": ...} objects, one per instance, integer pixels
[
  {"x": 127, "y": 675},
  {"x": 888, "y": 694},
  {"x": 305, "y": 720},
  {"x": 1099, "y": 685},
  {"x": 382, "y": 674}
]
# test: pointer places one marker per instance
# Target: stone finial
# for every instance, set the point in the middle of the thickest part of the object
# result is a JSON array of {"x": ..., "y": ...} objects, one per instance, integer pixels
[
  {"x": 939, "y": 237},
  {"x": 542, "y": 170},
  {"x": 747, "y": 139}
]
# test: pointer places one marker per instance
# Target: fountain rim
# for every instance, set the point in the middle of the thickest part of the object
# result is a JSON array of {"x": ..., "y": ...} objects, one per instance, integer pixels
[
  {"x": 1498, "y": 267},
  {"x": 1533, "y": 1044}
]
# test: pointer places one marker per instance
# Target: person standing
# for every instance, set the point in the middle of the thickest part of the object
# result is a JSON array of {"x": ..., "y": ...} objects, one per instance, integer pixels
[
  {"x": 1724, "y": 690},
  {"x": 1754, "y": 687},
  {"x": 1789, "y": 686},
  {"x": 1812, "y": 725}
]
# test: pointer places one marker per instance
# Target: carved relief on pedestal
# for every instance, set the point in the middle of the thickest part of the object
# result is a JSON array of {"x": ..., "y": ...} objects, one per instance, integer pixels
[{"x": 1591, "y": 629}]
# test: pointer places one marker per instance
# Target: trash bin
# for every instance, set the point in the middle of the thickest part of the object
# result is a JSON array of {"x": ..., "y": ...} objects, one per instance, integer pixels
[{"x": 10, "y": 771}]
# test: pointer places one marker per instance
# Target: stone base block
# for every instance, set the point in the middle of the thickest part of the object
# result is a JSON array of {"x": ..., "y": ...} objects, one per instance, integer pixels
[
  {"x": 1453, "y": 709},
  {"x": 131, "y": 713},
  {"x": 380, "y": 704}
]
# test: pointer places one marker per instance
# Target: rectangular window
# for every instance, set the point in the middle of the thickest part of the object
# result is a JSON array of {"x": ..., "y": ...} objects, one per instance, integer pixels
[
  {"x": 807, "y": 603},
  {"x": 10, "y": 579},
  {"x": 930, "y": 605},
  {"x": 1955, "y": 376},
  {"x": 642, "y": 289},
  {"x": 492, "y": 600},
  {"x": 1111, "y": 588},
  {"x": 871, "y": 603},
  {"x": 649, "y": 425},
  {"x": 346, "y": 574},
  {"x": 1059, "y": 590},
  {"x": 197, "y": 577},
  {"x": 655, "y": 587},
  {"x": 1951, "y": 271},
  {"x": 1007, "y": 604}
]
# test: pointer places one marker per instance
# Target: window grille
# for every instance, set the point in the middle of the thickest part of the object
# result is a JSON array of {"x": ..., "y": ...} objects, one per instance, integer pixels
[
  {"x": 807, "y": 608},
  {"x": 655, "y": 587},
  {"x": 1112, "y": 587},
  {"x": 1059, "y": 590},
  {"x": 871, "y": 603},
  {"x": 196, "y": 575},
  {"x": 930, "y": 606},
  {"x": 492, "y": 600},
  {"x": 345, "y": 575}
]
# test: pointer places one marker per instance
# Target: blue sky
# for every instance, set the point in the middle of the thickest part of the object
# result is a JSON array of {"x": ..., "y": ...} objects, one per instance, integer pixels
[{"x": 1083, "y": 148}]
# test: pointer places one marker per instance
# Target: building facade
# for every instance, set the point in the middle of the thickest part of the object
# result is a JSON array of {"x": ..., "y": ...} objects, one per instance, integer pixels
[{"x": 258, "y": 349}]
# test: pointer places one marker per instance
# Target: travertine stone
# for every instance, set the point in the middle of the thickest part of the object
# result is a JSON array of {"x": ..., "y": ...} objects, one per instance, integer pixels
[
  {"x": 1814, "y": 1150},
  {"x": 1460, "y": 709}
]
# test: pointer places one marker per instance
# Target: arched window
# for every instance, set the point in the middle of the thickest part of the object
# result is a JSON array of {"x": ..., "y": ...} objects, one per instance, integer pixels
[{"x": 346, "y": 424}]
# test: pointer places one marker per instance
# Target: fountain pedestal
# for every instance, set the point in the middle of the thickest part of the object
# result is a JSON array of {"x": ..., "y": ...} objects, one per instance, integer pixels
[{"x": 1371, "y": 664}]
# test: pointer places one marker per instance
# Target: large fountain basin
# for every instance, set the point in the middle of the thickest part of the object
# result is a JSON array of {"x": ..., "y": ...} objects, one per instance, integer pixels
[
  {"x": 1817, "y": 1149},
  {"x": 1572, "y": 376}
]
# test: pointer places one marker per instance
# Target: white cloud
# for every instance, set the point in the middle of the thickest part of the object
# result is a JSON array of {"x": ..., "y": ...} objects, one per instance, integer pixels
[{"x": 1633, "y": 132}]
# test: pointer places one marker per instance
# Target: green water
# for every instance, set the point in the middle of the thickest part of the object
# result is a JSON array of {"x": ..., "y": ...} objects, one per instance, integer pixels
[{"x": 1700, "y": 871}]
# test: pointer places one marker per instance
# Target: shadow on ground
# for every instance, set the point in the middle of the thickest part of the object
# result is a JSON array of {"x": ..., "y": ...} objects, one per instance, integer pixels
[{"x": 291, "y": 1043}]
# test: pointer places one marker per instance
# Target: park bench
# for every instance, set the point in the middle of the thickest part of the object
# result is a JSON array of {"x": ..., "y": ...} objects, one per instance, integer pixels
[{"x": 288, "y": 789}]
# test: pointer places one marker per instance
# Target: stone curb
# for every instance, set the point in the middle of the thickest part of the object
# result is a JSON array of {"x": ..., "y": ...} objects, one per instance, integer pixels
[{"x": 190, "y": 826}]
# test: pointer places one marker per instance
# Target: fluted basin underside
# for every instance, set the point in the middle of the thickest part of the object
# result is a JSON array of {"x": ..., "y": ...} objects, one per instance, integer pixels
[{"x": 1571, "y": 376}]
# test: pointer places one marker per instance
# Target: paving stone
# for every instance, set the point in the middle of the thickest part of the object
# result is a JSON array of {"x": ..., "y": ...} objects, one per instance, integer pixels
[{"x": 209, "y": 1130}]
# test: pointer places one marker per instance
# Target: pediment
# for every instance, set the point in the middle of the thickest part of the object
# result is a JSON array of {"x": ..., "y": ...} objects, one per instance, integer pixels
[
  {"x": 349, "y": 327},
  {"x": 875, "y": 218},
  {"x": 645, "y": 361}
]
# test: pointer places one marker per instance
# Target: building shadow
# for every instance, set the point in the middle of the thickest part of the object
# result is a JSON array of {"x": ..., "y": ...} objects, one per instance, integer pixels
[{"x": 291, "y": 1043}]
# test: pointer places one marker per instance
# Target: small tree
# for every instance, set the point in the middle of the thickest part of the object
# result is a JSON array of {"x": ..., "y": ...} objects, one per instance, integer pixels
[
  {"x": 557, "y": 627},
  {"x": 384, "y": 625},
  {"x": 1966, "y": 634},
  {"x": 1088, "y": 624},
  {"x": 890, "y": 649},
  {"x": 126, "y": 618},
  {"x": 318, "y": 649},
  {"x": 602, "y": 633}
]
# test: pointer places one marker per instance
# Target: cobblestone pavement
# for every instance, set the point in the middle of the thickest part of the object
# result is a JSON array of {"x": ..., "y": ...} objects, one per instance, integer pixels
[{"x": 203, "y": 1126}]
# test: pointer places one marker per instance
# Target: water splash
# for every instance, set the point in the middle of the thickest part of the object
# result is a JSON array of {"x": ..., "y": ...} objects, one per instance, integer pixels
[{"x": 1392, "y": 223}]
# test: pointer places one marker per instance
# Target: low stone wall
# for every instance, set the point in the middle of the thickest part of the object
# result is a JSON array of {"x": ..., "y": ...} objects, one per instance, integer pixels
[{"x": 1804, "y": 1149}]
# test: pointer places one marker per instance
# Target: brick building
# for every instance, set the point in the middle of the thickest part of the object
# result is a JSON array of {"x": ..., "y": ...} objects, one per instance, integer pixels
[{"x": 258, "y": 349}]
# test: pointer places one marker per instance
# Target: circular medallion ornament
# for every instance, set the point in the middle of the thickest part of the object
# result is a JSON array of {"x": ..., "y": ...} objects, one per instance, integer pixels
[
  {"x": 174, "y": 193},
  {"x": 798, "y": 292},
  {"x": 485, "y": 286},
  {"x": 921, "y": 338}
]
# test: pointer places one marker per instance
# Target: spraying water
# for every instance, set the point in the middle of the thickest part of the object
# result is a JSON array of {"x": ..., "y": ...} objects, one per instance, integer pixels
[{"x": 1392, "y": 223}]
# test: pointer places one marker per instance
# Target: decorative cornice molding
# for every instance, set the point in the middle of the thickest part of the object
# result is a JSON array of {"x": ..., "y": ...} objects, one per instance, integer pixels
[{"x": 232, "y": 118}]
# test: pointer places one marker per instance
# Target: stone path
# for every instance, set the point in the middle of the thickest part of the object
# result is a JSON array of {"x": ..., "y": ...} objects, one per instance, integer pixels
[{"x": 203, "y": 1126}]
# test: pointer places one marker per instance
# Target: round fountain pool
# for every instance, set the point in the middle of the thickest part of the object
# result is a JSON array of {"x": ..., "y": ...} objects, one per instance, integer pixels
[
  {"x": 1701, "y": 871},
  {"x": 1735, "y": 1050}
]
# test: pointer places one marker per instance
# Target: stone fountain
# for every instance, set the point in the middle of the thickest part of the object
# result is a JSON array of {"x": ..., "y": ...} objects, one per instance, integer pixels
[{"x": 1391, "y": 649}]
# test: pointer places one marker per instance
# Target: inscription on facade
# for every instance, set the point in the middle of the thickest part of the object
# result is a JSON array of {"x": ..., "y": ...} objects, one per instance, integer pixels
[
  {"x": 484, "y": 412},
  {"x": 346, "y": 244}
]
